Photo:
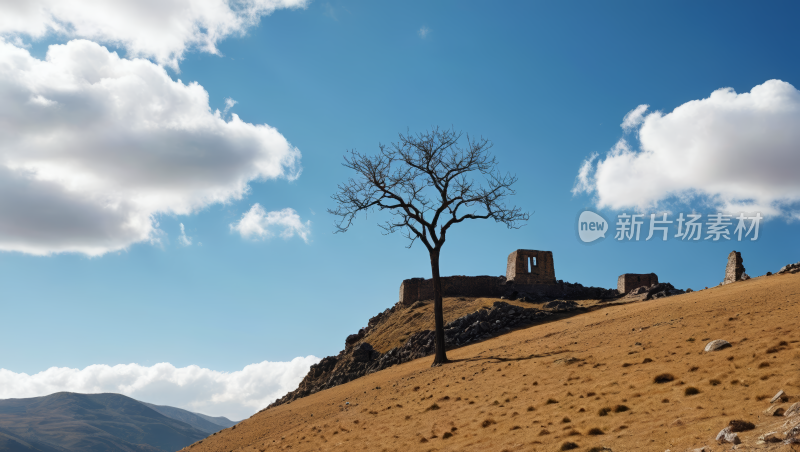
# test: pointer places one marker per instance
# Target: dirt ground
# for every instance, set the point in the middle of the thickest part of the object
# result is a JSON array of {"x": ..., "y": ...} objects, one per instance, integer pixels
[{"x": 588, "y": 379}]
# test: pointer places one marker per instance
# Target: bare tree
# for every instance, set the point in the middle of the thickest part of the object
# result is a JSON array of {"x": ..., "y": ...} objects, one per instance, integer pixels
[{"x": 425, "y": 181}]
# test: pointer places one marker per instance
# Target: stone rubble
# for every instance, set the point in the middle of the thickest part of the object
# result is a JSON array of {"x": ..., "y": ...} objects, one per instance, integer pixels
[
  {"x": 355, "y": 361},
  {"x": 791, "y": 268},
  {"x": 655, "y": 291}
]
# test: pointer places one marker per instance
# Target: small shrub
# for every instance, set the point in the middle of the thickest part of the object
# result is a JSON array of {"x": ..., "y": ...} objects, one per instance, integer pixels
[
  {"x": 574, "y": 432},
  {"x": 741, "y": 426},
  {"x": 569, "y": 446},
  {"x": 604, "y": 411},
  {"x": 620, "y": 408},
  {"x": 691, "y": 339},
  {"x": 691, "y": 391},
  {"x": 663, "y": 378},
  {"x": 590, "y": 394},
  {"x": 423, "y": 440},
  {"x": 531, "y": 408},
  {"x": 647, "y": 360},
  {"x": 693, "y": 369},
  {"x": 432, "y": 407},
  {"x": 665, "y": 401},
  {"x": 551, "y": 401},
  {"x": 416, "y": 388},
  {"x": 488, "y": 422},
  {"x": 595, "y": 431},
  {"x": 566, "y": 420},
  {"x": 763, "y": 365},
  {"x": 626, "y": 364},
  {"x": 544, "y": 432},
  {"x": 582, "y": 410},
  {"x": 447, "y": 435},
  {"x": 516, "y": 427},
  {"x": 714, "y": 382}
]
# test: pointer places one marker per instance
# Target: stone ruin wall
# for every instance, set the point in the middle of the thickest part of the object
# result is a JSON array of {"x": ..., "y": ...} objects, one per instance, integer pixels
[
  {"x": 415, "y": 289},
  {"x": 531, "y": 267},
  {"x": 527, "y": 268},
  {"x": 734, "y": 271},
  {"x": 630, "y": 281}
]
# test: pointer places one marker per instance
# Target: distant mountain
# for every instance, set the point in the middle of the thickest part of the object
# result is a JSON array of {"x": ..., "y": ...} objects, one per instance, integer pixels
[
  {"x": 69, "y": 422},
  {"x": 199, "y": 421}
]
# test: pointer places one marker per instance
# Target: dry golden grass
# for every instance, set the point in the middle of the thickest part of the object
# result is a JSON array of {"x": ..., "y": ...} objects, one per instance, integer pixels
[{"x": 494, "y": 396}]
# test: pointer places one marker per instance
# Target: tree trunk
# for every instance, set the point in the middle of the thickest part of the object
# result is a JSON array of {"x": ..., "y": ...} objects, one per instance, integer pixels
[{"x": 441, "y": 355}]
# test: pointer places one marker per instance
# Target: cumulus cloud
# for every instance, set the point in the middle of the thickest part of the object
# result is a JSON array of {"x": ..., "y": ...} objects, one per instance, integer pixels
[
  {"x": 733, "y": 152},
  {"x": 162, "y": 30},
  {"x": 235, "y": 395},
  {"x": 257, "y": 223},
  {"x": 423, "y": 32},
  {"x": 633, "y": 118},
  {"x": 93, "y": 147}
]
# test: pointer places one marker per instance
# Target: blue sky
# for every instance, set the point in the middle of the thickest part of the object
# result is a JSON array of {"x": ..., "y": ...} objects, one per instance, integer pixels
[{"x": 548, "y": 84}]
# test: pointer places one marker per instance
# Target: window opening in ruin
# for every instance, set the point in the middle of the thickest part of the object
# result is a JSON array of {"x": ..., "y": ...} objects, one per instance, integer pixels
[
  {"x": 528, "y": 265},
  {"x": 533, "y": 259}
]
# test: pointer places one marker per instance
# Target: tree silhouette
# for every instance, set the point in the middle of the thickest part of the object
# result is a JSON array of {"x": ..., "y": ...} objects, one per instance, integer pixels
[{"x": 426, "y": 182}]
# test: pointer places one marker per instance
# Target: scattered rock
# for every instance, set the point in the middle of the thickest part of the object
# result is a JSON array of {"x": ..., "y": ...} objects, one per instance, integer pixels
[
  {"x": 774, "y": 410},
  {"x": 737, "y": 425},
  {"x": 728, "y": 436},
  {"x": 659, "y": 290},
  {"x": 778, "y": 396},
  {"x": 718, "y": 344},
  {"x": 793, "y": 410},
  {"x": 561, "y": 305},
  {"x": 791, "y": 268},
  {"x": 771, "y": 437}
]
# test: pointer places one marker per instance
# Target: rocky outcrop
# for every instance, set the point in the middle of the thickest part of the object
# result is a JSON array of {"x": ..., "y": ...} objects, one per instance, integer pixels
[
  {"x": 659, "y": 290},
  {"x": 355, "y": 361},
  {"x": 561, "y": 290},
  {"x": 791, "y": 268}
]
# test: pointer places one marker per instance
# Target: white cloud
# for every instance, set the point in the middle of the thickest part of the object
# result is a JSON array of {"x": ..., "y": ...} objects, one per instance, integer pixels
[
  {"x": 229, "y": 103},
  {"x": 257, "y": 223},
  {"x": 236, "y": 395},
  {"x": 162, "y": 30},
  {"x": 423, "y": 32},
  {"x": 183, "y": 239},
  {"x": 93, "y": 147},
  {"x": 733, "y": 152},
  {"x": 634, "y": 117}
]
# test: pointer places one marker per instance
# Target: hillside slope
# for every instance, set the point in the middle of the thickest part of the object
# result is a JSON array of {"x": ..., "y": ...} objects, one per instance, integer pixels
[
  {"x": 542, "y": 386},
  {"x": 207, "y": 424},
  {"x": 89, "y": 422}
]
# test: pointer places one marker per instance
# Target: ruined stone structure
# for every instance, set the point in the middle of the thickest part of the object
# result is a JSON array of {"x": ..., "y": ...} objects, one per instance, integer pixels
[
  {"x": 735, "y": 270},
  {"x": 530, "y": 267},
  {"x": 630, "y": 281},
  {"x": 415, "y": 289}
]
